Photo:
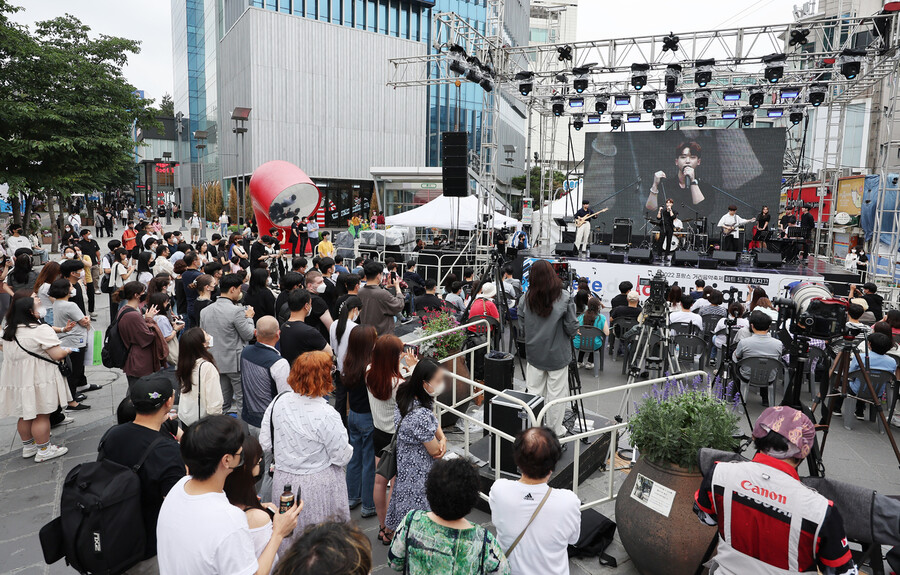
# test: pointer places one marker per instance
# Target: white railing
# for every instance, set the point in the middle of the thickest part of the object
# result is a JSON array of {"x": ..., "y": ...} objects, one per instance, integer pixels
[{"x": 444, "y": 266}]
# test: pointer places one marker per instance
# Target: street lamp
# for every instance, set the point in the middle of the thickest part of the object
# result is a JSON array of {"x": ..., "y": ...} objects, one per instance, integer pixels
[
  {"x": 178, "y": 129},
  {"x": 167, "y": 156},
  {"x": 200, "y": 136},
  {"x": 240, "y": 115}
]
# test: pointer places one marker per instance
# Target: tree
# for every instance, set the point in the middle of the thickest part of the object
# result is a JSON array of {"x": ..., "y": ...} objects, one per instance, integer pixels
[
  {"x": 518, "y": 182},
  {"x": 167, "y": 106},
  {"x": 233, "y": 206}
]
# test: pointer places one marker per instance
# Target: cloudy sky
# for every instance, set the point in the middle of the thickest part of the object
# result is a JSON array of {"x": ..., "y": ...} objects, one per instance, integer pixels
[{"x": 149, "y": 21}]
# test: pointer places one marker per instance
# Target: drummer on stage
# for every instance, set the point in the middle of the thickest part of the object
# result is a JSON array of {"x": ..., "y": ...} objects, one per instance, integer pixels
[{"x": 667, "y": 219}]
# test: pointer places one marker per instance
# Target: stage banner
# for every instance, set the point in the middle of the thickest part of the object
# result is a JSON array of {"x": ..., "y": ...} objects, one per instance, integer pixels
[
  {"x": 849, "y": 195},
  {"x": 604, "y": 278},
  {"x": 739, "y": 167}
]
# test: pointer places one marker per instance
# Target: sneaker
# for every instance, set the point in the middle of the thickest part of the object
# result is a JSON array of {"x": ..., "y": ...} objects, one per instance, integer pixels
[
  {"x": 895, "y": 421},
  {"x": 366, "y": 513},
  {"x": 29, "y": 451},
  {"x": 67, "y": 421},
  {"x": 580, "y": 364},
  {"x": 50, "y": 452},
  {"x": 860, "y": 416},
  {"x": 588, "y": 365},
  {"x": 355, "y": 504},
  {"x": 94, "y": 315},
  {"x": 837, "y": 412}
]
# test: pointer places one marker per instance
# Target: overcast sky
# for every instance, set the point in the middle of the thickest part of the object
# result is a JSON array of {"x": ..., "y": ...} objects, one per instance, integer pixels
[{"x": 150, "y": 22}]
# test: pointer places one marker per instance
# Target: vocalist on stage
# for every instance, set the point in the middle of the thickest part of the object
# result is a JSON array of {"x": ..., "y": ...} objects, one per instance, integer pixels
[
  {"x": 687, "y": 192},
  {"x": 667, "y": 220}
]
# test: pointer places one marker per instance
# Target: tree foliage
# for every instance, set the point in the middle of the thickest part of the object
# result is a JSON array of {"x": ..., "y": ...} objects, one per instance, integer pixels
[
  {"x": 518, "y": 182},
  {"x": 167, "y": 106}
]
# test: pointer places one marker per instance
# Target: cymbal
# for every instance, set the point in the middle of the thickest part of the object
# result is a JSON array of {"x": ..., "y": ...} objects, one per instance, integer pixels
[{"x": 687, "y": 219}]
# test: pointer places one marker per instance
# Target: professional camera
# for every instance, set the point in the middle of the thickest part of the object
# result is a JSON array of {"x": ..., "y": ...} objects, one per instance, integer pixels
[
  {"x": 813, "y": 312},
  {"x": 656, "y": 309}
]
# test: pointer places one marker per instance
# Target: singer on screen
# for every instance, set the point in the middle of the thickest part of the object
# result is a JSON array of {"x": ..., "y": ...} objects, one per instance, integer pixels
[{"x": 687, "y": 192}]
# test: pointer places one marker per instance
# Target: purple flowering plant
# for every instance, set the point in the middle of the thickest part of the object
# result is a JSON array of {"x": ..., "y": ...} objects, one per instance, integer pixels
[{"x": 675, "y": 420}]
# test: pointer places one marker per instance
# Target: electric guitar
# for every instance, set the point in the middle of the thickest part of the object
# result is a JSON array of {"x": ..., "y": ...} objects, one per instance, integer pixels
[
  {"x": 729, "y": 229},
  {"x": 581, "y": 221}
]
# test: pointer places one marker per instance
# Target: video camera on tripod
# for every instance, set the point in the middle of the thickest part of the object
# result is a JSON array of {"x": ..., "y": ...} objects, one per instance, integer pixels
[
  {"x": 656, "y": 308},
  {"x": 813, "y": 312}
]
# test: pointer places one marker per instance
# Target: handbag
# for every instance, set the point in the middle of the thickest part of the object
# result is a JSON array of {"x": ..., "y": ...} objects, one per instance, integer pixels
[
  {"x": 387, "y": 461},
  {"x": 272, "y": 433},
  {"x": 64, "y": 365}
]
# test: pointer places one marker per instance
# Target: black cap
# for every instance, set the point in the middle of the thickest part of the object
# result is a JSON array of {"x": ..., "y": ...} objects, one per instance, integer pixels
[{"x": 150, "y": 392}]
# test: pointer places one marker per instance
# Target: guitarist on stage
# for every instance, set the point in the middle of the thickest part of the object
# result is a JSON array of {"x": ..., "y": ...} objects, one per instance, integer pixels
[
  {"x": 729, "y": 223},
  {"x": 666, "y": 220},
  {"x": 583, "y": 233}
]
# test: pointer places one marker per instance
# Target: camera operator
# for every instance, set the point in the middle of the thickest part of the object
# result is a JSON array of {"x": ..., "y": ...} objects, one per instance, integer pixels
[
  {"x": 500, "y": 237},
  {"x": 768, "y": 521},
  {"x": 869, "y": 293}
]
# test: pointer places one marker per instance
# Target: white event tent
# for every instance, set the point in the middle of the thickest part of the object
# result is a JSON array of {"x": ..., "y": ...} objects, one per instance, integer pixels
[{"x": 447, "y": 214}]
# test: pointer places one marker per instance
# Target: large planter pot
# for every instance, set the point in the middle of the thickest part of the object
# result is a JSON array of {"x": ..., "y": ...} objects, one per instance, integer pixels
[
  {"x": 660, "y": 544},
  {"x": 462, "y": 389}
]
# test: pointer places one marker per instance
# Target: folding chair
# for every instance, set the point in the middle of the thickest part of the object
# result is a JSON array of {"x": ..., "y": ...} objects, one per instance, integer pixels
[
  {"x": 709, "y": 325},
  {"x": 690, "y": 347},
  {"x": 683, "y": 328},
  {"x": 586, "y": 344},
  {"x": 878, "y": 377},
  {"x": 620, "y": 327},
  {"x": 759, "y": 374}
]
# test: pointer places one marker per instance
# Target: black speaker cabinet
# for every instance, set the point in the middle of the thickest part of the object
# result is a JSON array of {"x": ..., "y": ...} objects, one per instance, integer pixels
[
  {"x": 768, "y": 260},
  {"x": 708, "y": 264},
  {"x": 640, "y": 256},
  {"x": 454, "y": 164},
  {"x": 568, "y": 237},
  {"x": 498, "y": 371},
  {"x": 727, "y": 258},
  {"x": 691, "y": 259},
  {"x": 616, "y": 257},
  {"x": 599, "y": 251},
  {"x": 510, "y": 418},
  {"x": 566, "y": 249}
]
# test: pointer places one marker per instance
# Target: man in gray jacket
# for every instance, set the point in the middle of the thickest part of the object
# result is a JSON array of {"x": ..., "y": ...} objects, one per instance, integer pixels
[
  {"x": 761, "y": 345},
  {"x": 547, "y": 316},
  {"x": 230, "y": 326}
]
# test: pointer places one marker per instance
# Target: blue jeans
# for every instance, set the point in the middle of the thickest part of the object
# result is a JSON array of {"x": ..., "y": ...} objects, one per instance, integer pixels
[{"x": 361, "y": 469}]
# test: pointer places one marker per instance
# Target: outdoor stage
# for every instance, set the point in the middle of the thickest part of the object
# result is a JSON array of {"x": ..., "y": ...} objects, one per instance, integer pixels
[{"x": 604, "y": 276}]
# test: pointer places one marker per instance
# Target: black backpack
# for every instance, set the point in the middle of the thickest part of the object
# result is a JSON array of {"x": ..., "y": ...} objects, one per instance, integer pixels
[
  {"x": 104, "y": 281},
  {"x": 100, "y": 530},
  {"x": 597, "y": 533},
  {"x": 114, "y": 352}
]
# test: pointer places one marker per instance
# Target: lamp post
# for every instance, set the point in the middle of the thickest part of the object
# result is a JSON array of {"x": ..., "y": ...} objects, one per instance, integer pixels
[
  {"x": 240, "y": 115},
  {"x": 178, "y": 128},
  {"x": 167, "y": 156},
  {"x": 200, "y": 136}
]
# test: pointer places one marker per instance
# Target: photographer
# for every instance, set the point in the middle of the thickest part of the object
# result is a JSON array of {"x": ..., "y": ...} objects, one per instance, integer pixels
[
  {"x": 769, "y": 522},
  {"x": 869, "y": 293}
]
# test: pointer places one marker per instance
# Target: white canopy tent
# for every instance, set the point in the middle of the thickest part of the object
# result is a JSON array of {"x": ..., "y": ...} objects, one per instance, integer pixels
[
  {"x": 542, "y": 224},
  {"x": 447, "y": 214}
]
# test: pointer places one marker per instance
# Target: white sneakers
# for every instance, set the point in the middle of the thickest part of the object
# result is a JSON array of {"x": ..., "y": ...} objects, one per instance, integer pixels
[
  {"x": 50, "y": 452},
  {"x": 29, "y": 451},
  {"x": 588, "y": 365}
]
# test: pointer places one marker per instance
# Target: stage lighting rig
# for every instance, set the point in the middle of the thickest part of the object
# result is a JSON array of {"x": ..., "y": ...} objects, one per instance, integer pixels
[
  {"x": 676, "y": 116},
  {"x": 774, "y": 67},
  {"x": 796, "y": 117},
  {"x": 578, "y": 122},
  {"x": 601, "y": 103},
  {"x": 659, "y": 119},
  {"x": 564, "y": 53},
  {"x": 700, "y": 121},
  {"x": 670, "y": 42},
  {"x": 747, "y": 116},
  {"x": 775, "y": 112},
  {"x": 799, "y": 36},
  {"x": 729, "y": 114},
  {"x": 639, "y": 75},
  {"x": 789, "y": 93},
  {"x": 634, "y": 117},
  {"x": 582, "y": 77},
  {"x": 757, "y": 97},
  {"x": 576, "y": 102},
  {"x": 731, "y": 95},
  {"x": 487, "y": 78},
  {"x": 850, "y": 61},
  {"x": 649, "y": 103},
  {"x": 615, "y": 120},
  {"x": 701, "y": 100},
  {"x": 817, "y": 94},
  {"x": 703, "y": 72},
  {"x": 593, "y": 118},
  {"x": 458, "y": 59},
  {"x": 526, "y": 82},
  {"x": 558, "y": 106},
  {"x": 673, "y": 77},
  {"x": 473, "y": 71},
  {"x": 622, "y": 100},
  {"x": 674, "y": 98}
]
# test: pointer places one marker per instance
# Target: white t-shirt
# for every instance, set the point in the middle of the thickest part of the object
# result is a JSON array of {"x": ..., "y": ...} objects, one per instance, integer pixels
[
  {"x": 203, "y": 534},
  {"x": 682, "y": 316},
  {"x": 542, "y": 550},
  {"x": 17, "y": 242}
]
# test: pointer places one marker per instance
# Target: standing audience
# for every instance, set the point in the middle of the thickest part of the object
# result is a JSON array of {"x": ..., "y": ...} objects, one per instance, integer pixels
[{"x": 198, "y": 378}]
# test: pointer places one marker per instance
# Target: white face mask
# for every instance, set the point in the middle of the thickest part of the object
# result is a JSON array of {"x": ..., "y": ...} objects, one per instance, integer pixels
[
  {"x": 320, "y": 288},
  {"x": 210, "y": 344},
  {"x": 268, "y": 281},
  {"x": 41, "y": 311},
  {"x": 88, "y": 237},
  {"x": 437, "y": 390},
  {"x": 72, "y": 292},
  {"x": 69, "y": 255}
]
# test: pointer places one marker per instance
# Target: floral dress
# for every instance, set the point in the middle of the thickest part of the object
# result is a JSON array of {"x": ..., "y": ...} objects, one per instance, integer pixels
[
  {"x": 413, "y": 462},
  {"x": 423, "y": 546}
]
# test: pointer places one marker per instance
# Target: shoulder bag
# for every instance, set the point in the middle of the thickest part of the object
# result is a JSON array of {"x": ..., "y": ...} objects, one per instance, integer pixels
[
  {"x": 272, "y": 432},
  {"x": 64, "y": 365},
  {"x": 530, "y": 521},
  {"x": 387, "y": 461}
]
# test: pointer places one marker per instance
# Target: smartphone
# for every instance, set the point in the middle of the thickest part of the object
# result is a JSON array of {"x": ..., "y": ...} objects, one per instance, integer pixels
[
  {"x": 414, "y": 349},
  {"x": 393, "y": 276}
]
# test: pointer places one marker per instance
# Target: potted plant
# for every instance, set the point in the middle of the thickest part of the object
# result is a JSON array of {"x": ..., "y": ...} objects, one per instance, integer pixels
[
  {"x": 654, "y": 506},
  {"x": 46, "y": 236},
  {"x": 440, "y": 348}
]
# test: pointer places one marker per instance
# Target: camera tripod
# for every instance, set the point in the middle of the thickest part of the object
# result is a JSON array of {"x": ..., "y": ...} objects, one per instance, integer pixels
[
  {"x": 575, "y": 390},
  {"x": 839, "y": 374},
  {"x": 653, "y": 336},
  {"x": 723, "y": 371}
]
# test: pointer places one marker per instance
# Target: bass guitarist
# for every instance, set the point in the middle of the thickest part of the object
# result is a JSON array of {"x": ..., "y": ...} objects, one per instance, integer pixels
[
  {"x": 729, "y": 223},
  {"x": 583, "y": 233}
]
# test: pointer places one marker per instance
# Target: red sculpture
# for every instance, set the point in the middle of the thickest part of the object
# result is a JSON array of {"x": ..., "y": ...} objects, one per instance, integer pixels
[{"x": 279, "y": 191}]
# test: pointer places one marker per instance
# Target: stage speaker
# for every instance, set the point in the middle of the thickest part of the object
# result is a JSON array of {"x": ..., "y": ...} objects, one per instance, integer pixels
[
  {"x": 568, "y": 237},
  {"x": 708, "y": 264},
  {"x": 498, "y": 372},
  {"x": 640, "y": 256},
  {"x": 691, "y": 259},
  {"x": 455, "y": 164},
  {"x": 599, "y": 251},
  {"x": 565, "y": 249},
  {"x": 727, "y": 258},
  {"x": 768, "y": 260},
  {"x": 616, "y": 257},
  {"x": 509, "y": 418}
]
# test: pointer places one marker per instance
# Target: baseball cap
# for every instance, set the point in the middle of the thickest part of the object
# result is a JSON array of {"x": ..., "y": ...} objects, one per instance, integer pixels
[
  {"x": 150, "y": 392},
  {"x": 791, "y": 424}
]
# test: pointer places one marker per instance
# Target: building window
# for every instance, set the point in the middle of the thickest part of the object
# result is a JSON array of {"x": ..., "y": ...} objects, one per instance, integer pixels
[
  {"x": 322, "y": 13},
  {"x": 382, "y": 16},
  {"x": 336, "y": 11},
  {"x": 404, "y": 20},
  {"x": 284, "y": 6},
  {"x": 271, "y": 5},
  {"x": 414, "y": 23},
  {"x": 395, "y": 17},
  {"x": 299, "y": 9},
  {"x": 347, "y": 8},
  {"x": 359, "y": 14},
  {"x": 371, "y": 7},
  {"x": 256, "y": 3}
]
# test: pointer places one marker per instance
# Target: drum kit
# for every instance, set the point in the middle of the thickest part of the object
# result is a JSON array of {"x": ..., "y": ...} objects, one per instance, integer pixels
[{"x": 690, "y": 234}]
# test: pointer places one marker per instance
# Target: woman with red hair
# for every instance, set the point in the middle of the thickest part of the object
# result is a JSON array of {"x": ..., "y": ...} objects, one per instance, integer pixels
[{"x": 310, "y": 444}]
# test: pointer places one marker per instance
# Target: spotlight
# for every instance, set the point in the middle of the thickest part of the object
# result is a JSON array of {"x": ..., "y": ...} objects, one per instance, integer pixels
[
  {"x": 578, "y": 122},
  {"x": 817, "y": 94},
  {"x": 564, "y": 53},
  {"x": 634, "y": 117},
  {"x": 558, "y": 106},
  {"x": 458, "y": 59},
  {"x": 673, "y": 76},
  {"x": 700, "y": 121},
  {"x": 623, "y": 100},
  {"x": 703, "y": 72},
  {"x": 729, "y": 114},
  {"x": 576, "y": 102},
  {"x": 789, "y": 93},
  {"x": 796, "y": 117},
  {"x": 775, "y": 112},
  {"x": 701, "y": 101},
  {"x": 658, "y": 120},
  {"x": 639, "y": 75},
  {"x": 731, "y": 95},
  {"x": 649, "y": 102},
  {"x": 850, "y": 70},
  {"x": 799, "y": 36},
  {"x": 526, "y": 83},
  {"x": 747, "y": 117},
  {"x": 615, "y": 121},
  {"x": 487, "y": 78},
  {"x": 473, "y": 74},
  {"x": 670, "y": 42},
  {"x": 774, "y": 67},
  {"x": 601, "y": 104},
  {"x": 851, "y": 62},
  {"x": 525, "y": 88},
  {"x": 593, "y": 119},
  {"x": 582, "y": 75},
  {"x": 674, "y": 98},
  {"x": 676, "y": 116},
  {"x": 757, "y": 97}
]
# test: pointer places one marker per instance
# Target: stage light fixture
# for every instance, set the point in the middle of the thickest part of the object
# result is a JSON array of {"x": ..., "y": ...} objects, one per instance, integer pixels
[
  {"x": 458, "y": 59},
  {"x": 731, "y": 95},
  {"x": 747, "y": 116},
  {"x": 851, "y": 62},
  {"x": 729, "y": 114},
  {"x": 473, "y": 73},
  {"x": 582, "y": 76},
  {"x": 674, "y": 98},
  {"x": 659, "y": 119},
  {"x": 799, "y": 36},
  {"x": 774, "y": 67},
  {"x": 817, "y": 94},
  {"x": 701, "y": 101},
  {"x": 564, "y": 53},
  {"x": 601, "y": 104},
  {"x": 639, "y": 75},
  {"x": 703, "y": 71},
  {"x": 796, "y": 117},
  {"x": 526, "y": 83},
  {"x": 649, "y": 103},
  {"x": 670, "y": 42},
  {"x": 700, "y": 121},
  {"x": 615, "y": 121},
  {"x": 487, "y": 78},
  {"x": 676, "y": 116},
  {"x": 789, "y": 93},
  {"x": 576, "y": 102},
  {"x": 775, "y": 112},
  {"x": 634, "y": 117},
  {"x": 673, "y": 77},
  {"x": 623, "y": 100},
  {"x": 593, "y": 118},
  {"x": 558, "y": 106},
  {"x": 578, "y": 122},
  {"x": 757, "y": 97}
]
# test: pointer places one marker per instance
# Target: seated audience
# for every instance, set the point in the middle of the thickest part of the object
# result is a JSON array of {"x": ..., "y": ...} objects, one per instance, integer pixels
[
  {"x": 429, "y": 301},
  {"x": 680, "y": 314},
  {"x": 333, "y": 548},
  {"x": 591, "y": 317},
  {"x": 759, "y": 344}
]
